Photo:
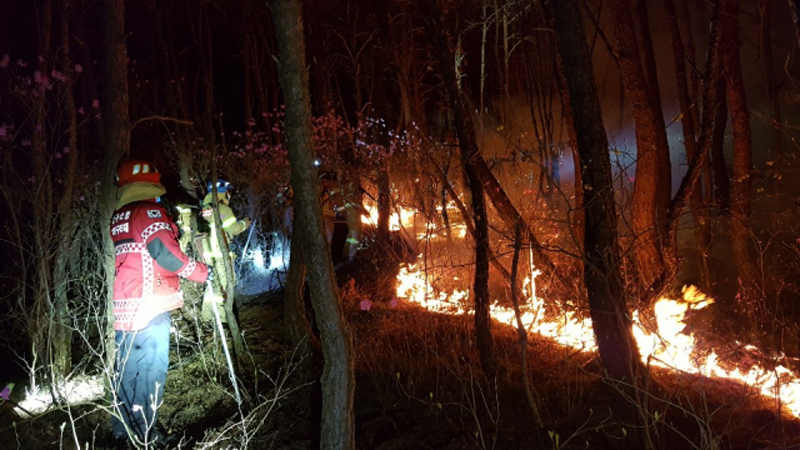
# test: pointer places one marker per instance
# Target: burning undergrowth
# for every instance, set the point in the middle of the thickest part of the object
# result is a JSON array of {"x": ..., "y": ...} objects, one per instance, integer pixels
[
  {"x": 427, "y": 365},
  {"x": 420, "y": 383}
]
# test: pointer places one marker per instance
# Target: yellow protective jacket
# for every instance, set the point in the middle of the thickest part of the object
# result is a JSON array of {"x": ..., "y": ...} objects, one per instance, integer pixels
[{"x": 230, "y": 223}]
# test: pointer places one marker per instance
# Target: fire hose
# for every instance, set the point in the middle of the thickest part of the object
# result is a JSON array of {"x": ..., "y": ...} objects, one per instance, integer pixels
[{"x": 208, "y": 297}]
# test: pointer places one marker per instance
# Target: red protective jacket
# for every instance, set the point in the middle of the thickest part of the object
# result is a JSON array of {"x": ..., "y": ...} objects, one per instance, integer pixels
[{"x": 148, "y": 264}]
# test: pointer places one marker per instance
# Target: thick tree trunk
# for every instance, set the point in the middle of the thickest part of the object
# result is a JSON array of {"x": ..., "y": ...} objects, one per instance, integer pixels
[
  {"x": 338, "y": 380},
  {"x": 116, "y": 134},
  {"x": 664, "y": 195},
  {"x": 749, "y": 291},
  {"x": 651, "y": 145},
  {"x": 298, "y": 325},
  {"x": 610, "y": 319}
]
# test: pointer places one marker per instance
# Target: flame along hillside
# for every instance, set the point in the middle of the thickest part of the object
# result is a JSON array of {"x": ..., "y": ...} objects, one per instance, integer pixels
[{"x": 661, "y": 338}]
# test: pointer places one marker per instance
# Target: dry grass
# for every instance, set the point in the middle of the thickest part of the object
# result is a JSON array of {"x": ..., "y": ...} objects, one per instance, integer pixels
[
  {"x": 425, "y": 364},
  {"x": 420, "y": 386}
]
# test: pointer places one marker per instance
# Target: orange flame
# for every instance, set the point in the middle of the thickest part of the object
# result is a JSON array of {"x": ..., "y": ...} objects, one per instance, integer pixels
[{"x": 668, "y": 347}]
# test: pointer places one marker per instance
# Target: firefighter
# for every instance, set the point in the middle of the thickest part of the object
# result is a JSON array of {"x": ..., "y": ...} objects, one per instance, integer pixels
[
  {"x": 148, "y": 265},
  {"x": 353, "y": 211},
  {"x": 215, "y": 255},
  {"x": 342, "y": 211}
]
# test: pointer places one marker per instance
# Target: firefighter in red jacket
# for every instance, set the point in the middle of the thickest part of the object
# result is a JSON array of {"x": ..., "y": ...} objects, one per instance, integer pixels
[{"x": 149, "y": 263}]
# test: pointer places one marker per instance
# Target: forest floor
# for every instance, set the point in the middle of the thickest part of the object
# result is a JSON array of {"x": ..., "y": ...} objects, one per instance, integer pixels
[{"x": 419, "y": 385}]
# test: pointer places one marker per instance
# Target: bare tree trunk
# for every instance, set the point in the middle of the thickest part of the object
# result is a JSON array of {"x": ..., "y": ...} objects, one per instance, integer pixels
[
  {"x": 651, "y": 144},
  {"x": 765, "y": 7},
  {"x": 484, "y": 32},
  {"x": 610, "y": 318},
  {"x": 465, "y": 132},
  {"x": 483, "y": 320},
  {"x": 388, "y": 109},
  {"x": 116, "y": 134},
  {"x": 709, "y": 104},
  {"x": 578, "y": 222},
  {"x": 41, "y": 321},
  {"x": 62, "y": 332},
  {"x": 338, "y": 380},
  {"x": 522, "y": 332},
  {"x": 651, "y": 75},
  {"x": 690, "y": 54},
  {"x": 794, "y": 6},
  {"x": 749, "y": 295},
  {"x": 719, "y": 168},
  {"x": 384, "y": 204},
  {"x": 619, "y": 353},
  {"x": 298, "y": 326},
  {"x": 539, "y": 81},
  {"x": 228, "y": 287},
  {"x": 203, "y": 35},
  {"x": 702, "y": 233}
]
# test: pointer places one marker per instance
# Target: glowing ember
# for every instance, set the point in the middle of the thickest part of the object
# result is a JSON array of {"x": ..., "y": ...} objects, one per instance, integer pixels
[{"x": 668, "y": 347}]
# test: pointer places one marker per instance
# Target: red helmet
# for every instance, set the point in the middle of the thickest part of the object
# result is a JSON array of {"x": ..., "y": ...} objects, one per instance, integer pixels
[{"x": 135, "y": 170}]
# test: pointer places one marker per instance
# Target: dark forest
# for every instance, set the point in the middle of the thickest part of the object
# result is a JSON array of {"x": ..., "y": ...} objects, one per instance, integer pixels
[{"x": 488, "y": 224}]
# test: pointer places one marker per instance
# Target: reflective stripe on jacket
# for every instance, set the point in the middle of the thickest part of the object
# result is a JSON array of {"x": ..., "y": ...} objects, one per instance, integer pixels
[{"x": 149, "y": 263}]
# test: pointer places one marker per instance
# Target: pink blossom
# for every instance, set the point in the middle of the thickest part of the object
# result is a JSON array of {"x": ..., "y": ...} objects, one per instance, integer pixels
[
  {"x": 95, "y": 103},
  {"x": 78, "y": 68},
  {"x": 365, "y": 305},
  {"x": 58, "y": 75},
  {"x": 4, "y": 61},
  {"x": 5, "y": 393},
  {"x": 81, "y": 111},
  {"x": 65, "y": 150},
  {"x": 58, "y": 155},
  {"x": 3, "y": 130}
]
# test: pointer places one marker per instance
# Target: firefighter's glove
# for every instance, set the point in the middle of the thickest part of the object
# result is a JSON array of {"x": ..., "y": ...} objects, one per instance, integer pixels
[
  {"x": 210, "y": 278},
  {"x": 247, "y": 223}
]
